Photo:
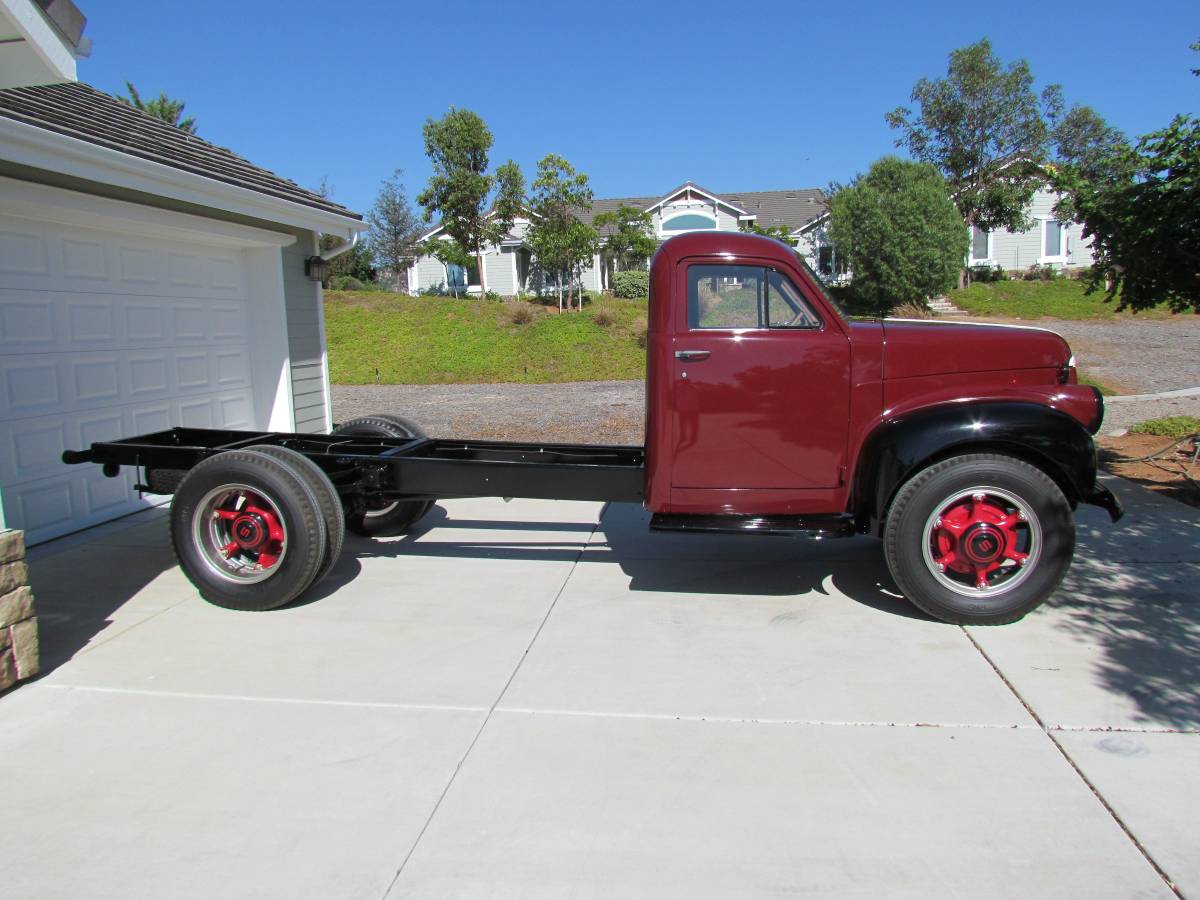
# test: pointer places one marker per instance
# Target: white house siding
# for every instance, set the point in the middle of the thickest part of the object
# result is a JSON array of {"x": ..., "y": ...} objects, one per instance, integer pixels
[
  {"x": 1015, "y": 251},
  {"x": 500, "y": 272},
  {"x": 306, "y": 345},
  {"x": 590, "y": 279},
  {"x": 431, "y": 273},
  {"x": 809, "y": 244}
]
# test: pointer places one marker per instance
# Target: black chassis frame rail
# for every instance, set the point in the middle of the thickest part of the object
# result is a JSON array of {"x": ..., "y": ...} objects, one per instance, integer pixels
[{"x": 368, "y": 467}]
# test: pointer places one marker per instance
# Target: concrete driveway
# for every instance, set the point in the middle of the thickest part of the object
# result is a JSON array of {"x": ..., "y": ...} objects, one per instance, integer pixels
[{"x": 532, "y": 700}]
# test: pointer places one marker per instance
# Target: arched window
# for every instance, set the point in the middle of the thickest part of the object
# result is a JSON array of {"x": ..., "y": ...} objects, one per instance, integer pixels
[{"x": 689, "y": 222}]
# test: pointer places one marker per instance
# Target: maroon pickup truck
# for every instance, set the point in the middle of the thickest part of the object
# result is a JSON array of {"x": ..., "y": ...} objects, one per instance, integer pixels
[{"x": 965, "y": 447}]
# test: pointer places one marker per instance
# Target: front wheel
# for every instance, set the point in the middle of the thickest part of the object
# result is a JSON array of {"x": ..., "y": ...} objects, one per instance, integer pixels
[{"x": 979, "y": 539}]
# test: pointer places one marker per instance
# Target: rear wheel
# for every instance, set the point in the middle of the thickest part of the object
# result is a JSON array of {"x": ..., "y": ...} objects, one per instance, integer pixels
[
  {"x": 391, "y": 516},
  {"x": 979, "y": 539},
  {"x": 327, "y": 498},
  {"x": 247, "y": 530}
]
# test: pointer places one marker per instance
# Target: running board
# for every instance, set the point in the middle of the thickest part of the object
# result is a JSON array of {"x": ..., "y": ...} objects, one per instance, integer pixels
[{"x": 814, "y": 526}]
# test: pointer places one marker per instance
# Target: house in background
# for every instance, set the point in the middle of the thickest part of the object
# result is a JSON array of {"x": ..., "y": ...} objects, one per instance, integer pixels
[
  {"x": 511, "y": 269},
  {"x": 1047, "y": 243},
  {"x": 148, "y": 279}
]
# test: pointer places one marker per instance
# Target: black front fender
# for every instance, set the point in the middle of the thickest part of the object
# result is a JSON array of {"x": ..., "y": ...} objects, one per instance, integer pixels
[{"x": 898, "y": 448}]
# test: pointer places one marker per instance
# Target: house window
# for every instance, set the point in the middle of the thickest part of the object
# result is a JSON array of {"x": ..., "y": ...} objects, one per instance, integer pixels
[
  {"x": 1054, "y": 240},
  {"x": 458, "y": 277},
  {"x": 981, "y": 245},
  {"x": 828, "y": 264},
  {"x": 689, "y": 222}
]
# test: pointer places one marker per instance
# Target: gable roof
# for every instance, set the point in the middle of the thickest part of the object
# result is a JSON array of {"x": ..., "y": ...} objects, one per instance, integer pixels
[
  {"x": 82, "y": 112},
  {"x": 793, "y": 209}
]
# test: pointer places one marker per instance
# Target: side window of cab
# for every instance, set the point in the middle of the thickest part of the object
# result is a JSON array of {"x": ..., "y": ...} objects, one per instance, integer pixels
[{"x": 739, "y": 297}]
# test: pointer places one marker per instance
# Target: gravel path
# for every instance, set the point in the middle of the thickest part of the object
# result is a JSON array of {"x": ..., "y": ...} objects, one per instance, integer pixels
[
  {"x": 577, "y": 412},
  {"x": 1132, "y": 356}
]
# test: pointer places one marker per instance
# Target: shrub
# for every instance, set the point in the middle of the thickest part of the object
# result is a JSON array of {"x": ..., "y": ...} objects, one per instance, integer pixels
[
  {"x": 603, "y": 318},
  {"x": 986, "y": 274},
  {"x": 899, "y": 232},
  {"x": 1169, "y": 427},
  {"x": 631, "y": 285},
  {"x": 492, "y": 295},
  {"x": 1038, "y": 272},
  {"x": 345, "y": 283},
  {"x": 520, "y": 313},
  {"x": 912, "y": 311}
]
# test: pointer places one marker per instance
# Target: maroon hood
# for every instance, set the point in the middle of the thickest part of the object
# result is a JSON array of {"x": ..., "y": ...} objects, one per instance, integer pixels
[{"x": 922, "y": 348}]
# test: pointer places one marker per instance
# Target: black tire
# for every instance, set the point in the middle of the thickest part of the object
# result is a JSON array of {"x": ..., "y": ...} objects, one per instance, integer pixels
[
  {"x": 331, "y": 505},
  {"x": 397, "y": 516},
  {"x": 195, "y": 510},
  {"x": 1036, "y": 520}
]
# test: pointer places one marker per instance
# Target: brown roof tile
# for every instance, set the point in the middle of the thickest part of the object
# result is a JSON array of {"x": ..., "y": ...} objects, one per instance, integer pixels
[{"x": 80, "y": 111}]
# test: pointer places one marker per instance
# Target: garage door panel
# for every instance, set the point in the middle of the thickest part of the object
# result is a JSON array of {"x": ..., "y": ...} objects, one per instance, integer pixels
[
  {"x": 27, "y": 322},
  {"x": 59, "y": 321},
  {"x": 32, "y": 449},
  {"x": 106, "y": 335},
  {"x": 49, "y": 256},
  {"x": 24, "y": 255},
  {"x": 85, "y": 260}
]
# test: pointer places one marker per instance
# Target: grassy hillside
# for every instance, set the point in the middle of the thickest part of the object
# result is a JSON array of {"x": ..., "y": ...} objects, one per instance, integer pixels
[
  {"x": 1063, "y": 299},
  {"x": 395, "y": 339}
]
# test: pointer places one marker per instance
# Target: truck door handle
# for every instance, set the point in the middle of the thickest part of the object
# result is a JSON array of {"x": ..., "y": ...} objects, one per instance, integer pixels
[{"x": 691, "y": 355}]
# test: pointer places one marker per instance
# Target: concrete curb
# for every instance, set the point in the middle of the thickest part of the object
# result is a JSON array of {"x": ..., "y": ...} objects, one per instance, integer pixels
[{"x": 1162, "y": 395}]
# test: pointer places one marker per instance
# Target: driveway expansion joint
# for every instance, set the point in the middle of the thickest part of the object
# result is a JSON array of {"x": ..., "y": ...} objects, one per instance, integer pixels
[
  {"x": 1049, "y": 732},
  {"x": 491, "y": 710}
]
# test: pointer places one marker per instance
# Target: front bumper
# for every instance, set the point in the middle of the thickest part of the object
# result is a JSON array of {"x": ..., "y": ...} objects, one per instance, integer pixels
[{"x": 1105, "y": 499}]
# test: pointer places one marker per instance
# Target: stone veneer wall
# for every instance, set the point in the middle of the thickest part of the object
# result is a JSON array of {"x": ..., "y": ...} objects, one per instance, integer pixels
[{"x": 18, "y": 627}]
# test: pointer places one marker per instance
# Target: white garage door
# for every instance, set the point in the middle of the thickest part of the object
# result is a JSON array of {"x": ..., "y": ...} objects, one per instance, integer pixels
[{"x": 106, "y": 335}]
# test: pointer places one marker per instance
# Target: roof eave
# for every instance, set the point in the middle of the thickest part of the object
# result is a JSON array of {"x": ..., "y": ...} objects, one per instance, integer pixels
[{"x": 43, "y": 149}]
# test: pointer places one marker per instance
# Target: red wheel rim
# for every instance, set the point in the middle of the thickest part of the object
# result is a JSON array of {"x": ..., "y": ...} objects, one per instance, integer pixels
[
  {"x": 981, "y": 541},
  {"x": 240, "y": 533}
]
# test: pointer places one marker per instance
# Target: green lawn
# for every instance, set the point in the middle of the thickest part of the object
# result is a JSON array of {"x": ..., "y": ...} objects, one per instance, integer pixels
[
  {"x": 1062, "y": 299},
  {"x": 396, "y": 339}
]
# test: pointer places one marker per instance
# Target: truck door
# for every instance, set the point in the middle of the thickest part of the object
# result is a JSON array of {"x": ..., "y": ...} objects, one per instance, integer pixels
[{"x": 761, "y": 382}]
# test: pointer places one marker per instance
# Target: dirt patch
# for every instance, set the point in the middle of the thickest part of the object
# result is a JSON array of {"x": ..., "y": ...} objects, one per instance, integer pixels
[{"x": 1167, "y": 474}]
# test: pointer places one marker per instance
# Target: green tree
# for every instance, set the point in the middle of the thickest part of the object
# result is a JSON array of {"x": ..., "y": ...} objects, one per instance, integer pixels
[
  {"x": 560, "y": 241},
  {"x": 161, "y": 107},
  {"x": 778, "y": 232},
  {"x": 459, "y": 188},
  {"x": 393, "y": 231},
  {"x": 355, "y": 262},
  {"x": 985, "y": 130},
  {"x": 631, "y": 241},
  {"x": 1143, "y": 216},
  {"x": 900, "y": 233}
]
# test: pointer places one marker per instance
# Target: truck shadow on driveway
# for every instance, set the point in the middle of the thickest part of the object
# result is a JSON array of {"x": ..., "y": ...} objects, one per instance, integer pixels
[{"x": 666, "y": 563}]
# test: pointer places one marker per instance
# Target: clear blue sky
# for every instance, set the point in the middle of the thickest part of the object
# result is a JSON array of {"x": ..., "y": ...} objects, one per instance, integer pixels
[{"x": 640, "y": 96}]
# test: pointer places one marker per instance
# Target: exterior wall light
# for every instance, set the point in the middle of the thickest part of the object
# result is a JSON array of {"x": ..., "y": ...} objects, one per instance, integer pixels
[{"x": 316, "y": 268}]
